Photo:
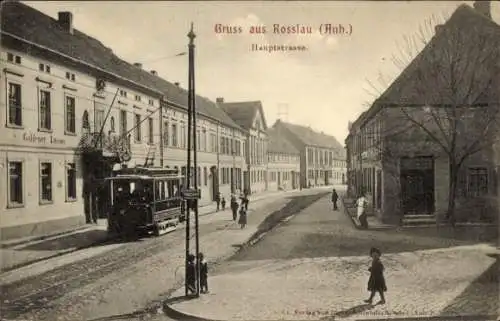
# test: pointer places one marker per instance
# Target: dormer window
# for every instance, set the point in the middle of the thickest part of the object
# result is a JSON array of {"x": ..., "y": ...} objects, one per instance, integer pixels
[
  {"x": 44, "y": 68},
  {"x": 70, "y": 76}
]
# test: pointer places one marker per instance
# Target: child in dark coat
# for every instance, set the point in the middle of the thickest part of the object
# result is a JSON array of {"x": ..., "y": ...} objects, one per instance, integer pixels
[
  {"x": 376, "y": 283},
  {"x": 203, "y": 273},
  {"x": 191, "y": 274},
  {"x": 223, "y": 203}
]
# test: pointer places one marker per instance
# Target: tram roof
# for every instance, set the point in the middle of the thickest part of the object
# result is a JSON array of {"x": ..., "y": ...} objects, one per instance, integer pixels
[{"x": 147, "y": 172}]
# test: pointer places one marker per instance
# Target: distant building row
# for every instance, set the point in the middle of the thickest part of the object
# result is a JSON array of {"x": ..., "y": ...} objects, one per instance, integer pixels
[{"x": 61, "y": 138}]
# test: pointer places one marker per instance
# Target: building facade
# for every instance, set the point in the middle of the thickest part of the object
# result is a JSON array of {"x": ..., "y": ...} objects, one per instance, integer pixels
[
  {"x": 322, "y": 157},
  {"x": 250, "y": 117},
  {"x": 393, "y": 154},
  {"x": 283, "y": 171},
  {"x": 72, "y": 116}
]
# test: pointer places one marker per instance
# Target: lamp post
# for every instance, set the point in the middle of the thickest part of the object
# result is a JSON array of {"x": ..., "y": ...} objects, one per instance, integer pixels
[{"x": 193, "y": 194}]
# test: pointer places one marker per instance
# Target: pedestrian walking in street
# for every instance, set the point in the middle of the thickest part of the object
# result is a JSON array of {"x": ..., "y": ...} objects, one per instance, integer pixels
[
  {"x": 217, "y": 201},
  {"x": 361, "y": 204},
  {"x": 234, "y": 206},
  {"x": 376, "y": 282},
  {"x": 203, "y": 273},
  {"x": 223, "y": 203},
  {"x": 335, "y": 198},
  {"x": 243, "y": 216},
  {"x": 191, "y": 274}
]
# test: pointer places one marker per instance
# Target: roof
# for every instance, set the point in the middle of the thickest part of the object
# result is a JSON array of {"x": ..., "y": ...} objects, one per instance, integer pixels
[
  {"x": 34, "y": 26},
  {"x": 410, "y": 88},
  {"x": 312, "y": 138},
  {"x": 279, "y": 144},
  {"x": 243, "y": 113}
]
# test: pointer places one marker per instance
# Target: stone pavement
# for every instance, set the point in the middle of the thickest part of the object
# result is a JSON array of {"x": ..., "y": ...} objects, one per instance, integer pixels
[
  {"x": 21, "y": 252},
  {"x": 420, "y": 284}
]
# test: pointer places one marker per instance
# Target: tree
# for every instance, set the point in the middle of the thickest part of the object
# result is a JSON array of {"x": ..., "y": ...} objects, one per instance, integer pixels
[{"x": 449, "y": 92}]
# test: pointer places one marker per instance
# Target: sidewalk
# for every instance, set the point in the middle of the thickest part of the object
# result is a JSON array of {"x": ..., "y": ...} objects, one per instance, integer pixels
[
  {"x": 421, "y": 283},
  {"x": 21, "y": 252}
]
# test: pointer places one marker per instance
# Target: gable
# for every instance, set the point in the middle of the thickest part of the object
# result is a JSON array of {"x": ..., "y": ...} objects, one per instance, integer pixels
[{"x": 258, "y": 120}]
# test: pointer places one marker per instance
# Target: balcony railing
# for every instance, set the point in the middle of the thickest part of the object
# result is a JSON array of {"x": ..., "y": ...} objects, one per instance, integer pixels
[{"x": 109, "y": 144}]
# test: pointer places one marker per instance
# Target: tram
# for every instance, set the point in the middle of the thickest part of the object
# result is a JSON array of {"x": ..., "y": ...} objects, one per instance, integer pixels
[{"x": 144, "y": 200}]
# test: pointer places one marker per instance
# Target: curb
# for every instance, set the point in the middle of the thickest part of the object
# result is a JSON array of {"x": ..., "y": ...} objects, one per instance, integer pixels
[
  {"x": 24, "y": 264},
  {"x": 346, "y": 212},
  {"x": 177, "y": 315},
  {"x": 6, "y": 244}
]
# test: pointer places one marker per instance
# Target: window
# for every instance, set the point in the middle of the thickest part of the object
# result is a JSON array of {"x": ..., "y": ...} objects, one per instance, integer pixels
[
  {"x": 478, "y": 182},
  {"x": 85, "y": 120},
  {"x": 151, "y": 102},
  {"x": 71, "y": 181},
  {"x": 198, "y": 139},
  {"x": 123, "y": 122},
  {"x": 15, "y": 107},
  {"x": 182, "y": 138},
  {"x": 44, "y": 68},
  {"x": 44, "y": 108},
  {"x": 112, "y": 124},
  {"x": 151, "y": 139},
  {"x": 137, "y": 126},
  {"x": 123, "y": 93},
  {"x": 70, "y": 115},
  {"x": 205, "y": 176},
  {"x": 15, "y": 183},
  {"x": 46, "y": 182},
  {"x": 18, "y": 59},
  {"x": 165, "y": 133},
  {"x": 174, "y": 135},
  {"x": 204, "y": 139},
  {"x": 70, "y": 76},
  {"x": 99, "y": 119},
  {"x": 10, "y": 57},
  {"x": 137, "y": 98}
]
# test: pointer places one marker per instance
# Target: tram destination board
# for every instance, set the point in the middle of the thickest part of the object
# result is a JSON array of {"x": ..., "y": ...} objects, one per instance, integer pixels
[{"x": 190, "y": 194}]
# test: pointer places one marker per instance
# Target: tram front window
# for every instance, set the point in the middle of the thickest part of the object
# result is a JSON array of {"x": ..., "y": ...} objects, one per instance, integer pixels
[{"x": 137, "y": 191}]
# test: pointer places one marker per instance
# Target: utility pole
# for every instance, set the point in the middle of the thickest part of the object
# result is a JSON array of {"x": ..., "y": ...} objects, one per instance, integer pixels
[{"x": 192, "y": 108}]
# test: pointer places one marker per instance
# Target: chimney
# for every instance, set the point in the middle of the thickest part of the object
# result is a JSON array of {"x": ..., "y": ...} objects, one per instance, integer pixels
[
  {"x": 154, "y": 72},
  {"x": 219, "y": 100},
  {"x": 138, "y": 65},
  {"x": 65, "y": 19},
  {"x": 178, "y": 84},
  {"x": 438, "y": 28},
  {"x": 484, "y": 8}
]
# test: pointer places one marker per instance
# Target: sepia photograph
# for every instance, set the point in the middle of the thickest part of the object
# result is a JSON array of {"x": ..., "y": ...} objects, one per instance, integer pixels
[{"x": 249, "y": 160}]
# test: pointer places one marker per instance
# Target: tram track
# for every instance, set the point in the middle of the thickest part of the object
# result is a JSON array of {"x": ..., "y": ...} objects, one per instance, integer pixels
[{"x": 33, "y": 293}]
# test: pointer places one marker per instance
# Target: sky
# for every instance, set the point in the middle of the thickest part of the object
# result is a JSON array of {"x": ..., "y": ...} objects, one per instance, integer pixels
[{"x": 324, "y": 87}]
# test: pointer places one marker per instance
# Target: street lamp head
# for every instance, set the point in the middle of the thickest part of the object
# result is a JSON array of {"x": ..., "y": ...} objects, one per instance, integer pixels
[{"x": 191, "y": 34}]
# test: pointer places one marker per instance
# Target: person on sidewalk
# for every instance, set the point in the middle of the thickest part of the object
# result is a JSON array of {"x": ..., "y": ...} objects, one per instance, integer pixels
[
  {"x": 243, "y": 216},
  {"x": 223, "y": 203},
  {"x": 335, "y": 198},
  {"x": 203, "y": 273},
  {"x": 234, "y": 206},
  {"x": 376, "y": 282},
  {"x": 191, "y": 274},
  {"x": 245, "y": 200},
  {"x": 217, "y": 201},
  {"x": 361, "y": 204}
]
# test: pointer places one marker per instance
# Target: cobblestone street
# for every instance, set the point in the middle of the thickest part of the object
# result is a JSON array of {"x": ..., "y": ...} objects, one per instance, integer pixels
[
  {"x": 122, "y": 280},
  {"x": 314, "y": 266}
]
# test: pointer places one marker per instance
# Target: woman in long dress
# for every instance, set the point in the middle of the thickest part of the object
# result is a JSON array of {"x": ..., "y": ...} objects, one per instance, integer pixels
[{"x": 243, "y": 216}]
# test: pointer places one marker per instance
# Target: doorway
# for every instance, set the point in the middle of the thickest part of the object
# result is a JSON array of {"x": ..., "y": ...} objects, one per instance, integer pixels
[
  {"x": 215, "y": 182},
  {"x": 327, "y": 177},
  {"x": 417, "y": 185}
]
